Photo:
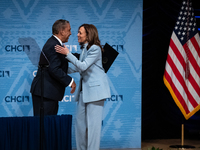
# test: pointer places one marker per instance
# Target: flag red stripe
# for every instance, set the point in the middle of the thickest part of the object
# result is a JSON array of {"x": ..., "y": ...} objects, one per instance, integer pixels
[
  {"x": 196, "y": 68},
  {"x": 195, "y": 86},
  {"x": 176, "y": 92},
  {"x": 181, "y": 80},
  {"x": 191, "y": 79},
  {"x": 192, "y": 60},
  {"x": 195, "y": 44},
  {"x": 177, "y": 53}
]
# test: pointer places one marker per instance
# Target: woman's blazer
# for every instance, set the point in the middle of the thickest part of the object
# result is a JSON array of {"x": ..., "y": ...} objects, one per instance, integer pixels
[{"x": 94, "y": 80}]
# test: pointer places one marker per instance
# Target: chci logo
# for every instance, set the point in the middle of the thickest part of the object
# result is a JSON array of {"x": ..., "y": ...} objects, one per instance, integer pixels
[
  {"x": 4, "y": 73},
  {"x": 17, "y": 48},
  {"x": 10, "y": 99}
]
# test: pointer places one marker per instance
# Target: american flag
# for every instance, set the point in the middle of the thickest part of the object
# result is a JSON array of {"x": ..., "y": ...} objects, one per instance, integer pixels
[{"x": 182, "y": 69}]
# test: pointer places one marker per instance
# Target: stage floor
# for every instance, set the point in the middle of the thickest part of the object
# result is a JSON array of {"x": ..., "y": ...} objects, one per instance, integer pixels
[{"x": 165, "y": 144}]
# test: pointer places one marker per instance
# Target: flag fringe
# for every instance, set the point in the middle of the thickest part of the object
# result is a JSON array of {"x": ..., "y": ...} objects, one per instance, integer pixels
[{"x": 187, "y": 116}]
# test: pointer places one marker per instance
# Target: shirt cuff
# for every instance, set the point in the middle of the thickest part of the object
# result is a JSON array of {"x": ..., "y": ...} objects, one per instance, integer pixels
[{"x": 71, "y": 82}]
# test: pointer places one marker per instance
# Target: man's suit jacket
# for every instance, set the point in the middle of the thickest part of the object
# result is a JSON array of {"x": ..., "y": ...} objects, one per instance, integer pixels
[
  {"x": 95, "y": 85},
  {"x": 55, "y": 75}
]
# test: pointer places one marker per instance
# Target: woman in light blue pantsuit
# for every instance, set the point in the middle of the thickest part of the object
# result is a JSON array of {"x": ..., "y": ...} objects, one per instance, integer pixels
[{"x": 93, "y": 88}]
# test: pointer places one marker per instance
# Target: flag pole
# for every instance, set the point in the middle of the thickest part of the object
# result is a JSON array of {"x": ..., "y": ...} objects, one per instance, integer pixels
[
  {"x": 182, "y": 135},
  {"x": 182, "y": 138}
]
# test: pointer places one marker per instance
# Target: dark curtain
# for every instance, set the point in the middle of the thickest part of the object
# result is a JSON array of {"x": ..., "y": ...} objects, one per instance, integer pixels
[
  {"x": 161, "y": 117},
  {"x": 23, "y": 133}
]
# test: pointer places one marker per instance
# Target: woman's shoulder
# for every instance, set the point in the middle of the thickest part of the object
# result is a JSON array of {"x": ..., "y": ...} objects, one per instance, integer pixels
[{"x": 95, "y": 47}]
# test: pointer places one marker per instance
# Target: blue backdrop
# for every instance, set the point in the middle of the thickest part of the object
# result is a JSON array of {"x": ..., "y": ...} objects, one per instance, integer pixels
[{"x": 26, "y": 25}]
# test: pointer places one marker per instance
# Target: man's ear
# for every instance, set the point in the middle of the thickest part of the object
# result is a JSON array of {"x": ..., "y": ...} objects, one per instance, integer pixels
[{"x": 61, "y": 32}]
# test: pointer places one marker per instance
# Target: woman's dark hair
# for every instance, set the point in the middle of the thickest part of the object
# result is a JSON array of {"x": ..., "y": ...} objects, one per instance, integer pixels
[{"x": 92, "y": 35}]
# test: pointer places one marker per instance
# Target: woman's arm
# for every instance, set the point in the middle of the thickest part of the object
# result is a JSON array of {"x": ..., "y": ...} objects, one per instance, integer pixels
[{"x": 93, "y": 54}]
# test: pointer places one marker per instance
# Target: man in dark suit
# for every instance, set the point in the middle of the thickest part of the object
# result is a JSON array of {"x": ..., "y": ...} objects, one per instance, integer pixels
[{"x": 55, "y": 68}]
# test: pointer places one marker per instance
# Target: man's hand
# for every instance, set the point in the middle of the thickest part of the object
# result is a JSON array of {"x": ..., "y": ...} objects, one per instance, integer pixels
[{"x": 73, "y": 87}]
